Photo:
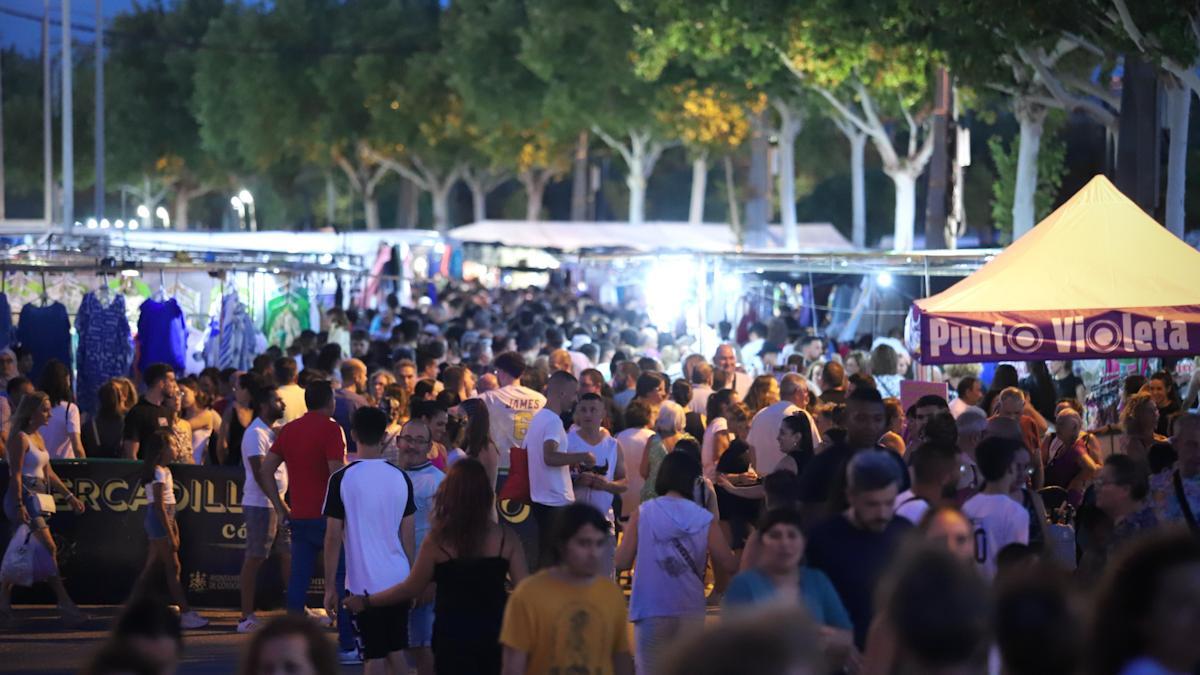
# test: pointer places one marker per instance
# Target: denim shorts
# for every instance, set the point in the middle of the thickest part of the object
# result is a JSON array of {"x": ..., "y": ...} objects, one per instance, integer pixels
[
  {"x": 263, "y": 533},
  {"x": 420, "y": 625},
  {"x": 155, "y": 528},
  {"x": 32, "y": 488}
]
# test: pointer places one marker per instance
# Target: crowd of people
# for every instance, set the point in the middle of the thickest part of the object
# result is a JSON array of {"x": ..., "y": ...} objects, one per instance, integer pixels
[{"x": 778, "y": 478}]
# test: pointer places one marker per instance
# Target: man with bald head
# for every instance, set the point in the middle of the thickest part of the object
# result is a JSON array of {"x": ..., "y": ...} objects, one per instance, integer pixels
[
  {"x": 764, "y": 429},
  {"x": 725, "y": 360}
]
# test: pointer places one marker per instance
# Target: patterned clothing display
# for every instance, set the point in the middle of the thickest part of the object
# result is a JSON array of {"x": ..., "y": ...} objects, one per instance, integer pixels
[
  {"x": 286, "y": 316},
  {"x": 234, "y": 340},
  {"x": 162, "y": 334},
  {"x": 46, "y": 332},
  {"x": 6, "y": 327},
  {"x": 105, "y": 350}
]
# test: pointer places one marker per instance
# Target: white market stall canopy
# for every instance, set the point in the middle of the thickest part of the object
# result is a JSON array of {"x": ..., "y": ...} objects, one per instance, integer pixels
[
  {"x": 573, "y": 237},
  {"x": 364, "y": 244}
]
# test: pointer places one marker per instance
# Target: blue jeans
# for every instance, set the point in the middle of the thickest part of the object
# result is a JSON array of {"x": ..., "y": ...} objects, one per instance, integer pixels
[{"x": 308, "y": 542}]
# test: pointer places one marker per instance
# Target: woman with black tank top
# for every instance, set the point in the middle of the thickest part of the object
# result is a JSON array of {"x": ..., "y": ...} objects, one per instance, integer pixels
[
  {"x": 236, "y": 419},
  {"x": 471, "y": 559}
]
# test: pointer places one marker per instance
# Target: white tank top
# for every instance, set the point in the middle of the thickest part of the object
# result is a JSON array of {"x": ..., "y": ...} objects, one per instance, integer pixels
[
  {"x": 36, "y": 457},
  {"x": 199, "y": 443}
]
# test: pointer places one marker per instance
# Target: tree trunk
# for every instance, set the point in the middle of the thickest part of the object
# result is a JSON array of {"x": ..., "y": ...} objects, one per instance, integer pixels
[
  {"x": 579, "y": 180},
  {"x": 330, "y": 200},
  {"x": 371, "y": 210},
  {"x": 1031, "y": 117},
  {"x": 1137, "y": 134},
  {"x": 478, "y": 200},
  {"x": 637, "y": 190},
  {"x": 441, "y": 207},
  {"x": 758, "y": 188},
  {"x": 699, "y": 187},
  {"x": 858, "y": 188},
  {"x": 182, "y": 203},
  {"x": 1179, "y": 103},
  {"x": 789, "y": 128},
  {"x": 735, "y": 219},
  {"x": 535, "y": 189},
  {"x": 906, "y": 208},
  {"x": 408, "y": 203}
]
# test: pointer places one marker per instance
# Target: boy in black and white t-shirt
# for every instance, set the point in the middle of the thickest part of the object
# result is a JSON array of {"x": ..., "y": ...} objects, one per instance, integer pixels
[
  {"x": 370, "y": 501},
  {"x": 998, "y": 519}
]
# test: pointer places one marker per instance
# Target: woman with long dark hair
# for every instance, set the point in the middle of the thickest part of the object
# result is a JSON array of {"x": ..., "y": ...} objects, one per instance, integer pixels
[
  {"x": 61, "y": 433},
  {"x": 1040, "y": 387},
  {"x": 30, "y": 478},
  {"x": 103, "y": 431},
  {"x": 470, "y": 558},
  {"x": 1004, "y": 377},
  {"x": 1165, "y": 393},
  {"x": 477, "y": 438}
]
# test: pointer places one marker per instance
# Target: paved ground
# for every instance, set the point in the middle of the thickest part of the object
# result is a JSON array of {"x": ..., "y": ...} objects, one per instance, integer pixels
[{"x": 36, "y": 643}]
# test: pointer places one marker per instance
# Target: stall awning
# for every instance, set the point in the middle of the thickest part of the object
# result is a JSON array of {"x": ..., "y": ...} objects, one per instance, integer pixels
[
  {"x": 1097, "y": 278},
  {"x": 647, "y": 237}
]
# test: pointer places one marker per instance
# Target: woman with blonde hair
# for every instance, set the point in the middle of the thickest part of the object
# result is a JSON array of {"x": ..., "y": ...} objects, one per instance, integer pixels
[
  {"x": 1139, "y": 418},
  {"x": 31, "y": 479},
  {"x": 764, "y": 391}
]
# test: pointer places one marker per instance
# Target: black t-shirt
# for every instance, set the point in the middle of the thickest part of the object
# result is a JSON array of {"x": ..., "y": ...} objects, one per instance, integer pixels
[
  {"x": 825, "y": 474},
  {"x": 147, "y": 424},
  {"x": 1066, "y": 387},
  {"x": 854, "y": 560},
  {"x": 836, "y": 396}
]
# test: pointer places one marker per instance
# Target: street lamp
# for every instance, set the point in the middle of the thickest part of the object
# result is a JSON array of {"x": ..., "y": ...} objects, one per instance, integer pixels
[
  {"x": 248, "y": 199},
  {"x": 162, "y": 214},
  {"x": 143, "y": 213},
  {"x": 240, "y": 208}
]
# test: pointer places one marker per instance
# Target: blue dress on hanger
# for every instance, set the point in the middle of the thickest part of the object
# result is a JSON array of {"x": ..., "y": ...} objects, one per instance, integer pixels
[
  {"x": 162, "y": 334},
  {"x": 105, "y": 350},
  {"x": 46, "y": 332}
]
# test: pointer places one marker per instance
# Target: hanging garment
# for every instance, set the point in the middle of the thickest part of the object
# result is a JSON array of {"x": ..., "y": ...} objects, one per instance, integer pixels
[
  {"x": 286, "y": 316},
  {"x": 234, "y": 340},
  {"x": 105, "y": 349},
  {"x": 6, "y": 327},
  {"x": 46, "y": 332},
  {"x": 162, "y": 334}
]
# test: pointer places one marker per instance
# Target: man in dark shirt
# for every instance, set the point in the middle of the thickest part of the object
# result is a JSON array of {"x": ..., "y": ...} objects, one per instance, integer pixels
[
  {"x": 823, "y": 481},
  {"x": 146, "y": 422},
  {"x": 833, "y": 383},
  {"x": 855, "y": 547},
  {"x": 349, "y": 398}
]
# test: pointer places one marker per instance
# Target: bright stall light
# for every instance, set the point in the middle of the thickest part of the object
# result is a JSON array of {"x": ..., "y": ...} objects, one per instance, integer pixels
[
  {"x": 104, "y": 224},
  {"x": 581, "y": 287},
  {"x": 133, "y": 224},
  {"x": 245, "y": 196},
  {"x": 92, "y": 223},
  {"x": 131, "y": 274},
  {"x": 143, "y": 211},
  {"x": 119, "y": 224},
  {"x": 668, "y": 289},
  {"x": 884, "y": 279}
]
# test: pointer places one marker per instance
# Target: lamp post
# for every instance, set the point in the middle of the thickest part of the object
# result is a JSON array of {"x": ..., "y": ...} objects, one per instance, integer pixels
[
  {"x": 143, "y": 214},
  {"x": 248, "y": 199}
]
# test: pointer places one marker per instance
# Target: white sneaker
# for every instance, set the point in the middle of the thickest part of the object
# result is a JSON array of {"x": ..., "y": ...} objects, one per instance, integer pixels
[
  {"x": 191, "y": 620},
  {"x": 320, "y": 616},
  {"x": 349, "y": 657},
  {"x": 248, "y": 624}
]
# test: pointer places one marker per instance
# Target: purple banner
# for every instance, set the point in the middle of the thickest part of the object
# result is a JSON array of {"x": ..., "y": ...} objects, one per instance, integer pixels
[{"x": 1069, "y": 334}]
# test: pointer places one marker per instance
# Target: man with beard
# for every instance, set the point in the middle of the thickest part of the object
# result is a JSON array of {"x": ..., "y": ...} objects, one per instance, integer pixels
[{"x": 264, "y": 532}]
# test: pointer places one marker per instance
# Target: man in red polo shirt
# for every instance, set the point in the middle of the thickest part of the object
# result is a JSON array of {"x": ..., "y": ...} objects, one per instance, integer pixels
[{"x": 312, "y": 447}]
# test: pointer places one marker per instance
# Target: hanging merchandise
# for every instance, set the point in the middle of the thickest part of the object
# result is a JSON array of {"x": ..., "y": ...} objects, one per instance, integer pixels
[
  {"x": 105, "y": 350},
  {"x": 45, "y": 331},
  {"x": 234, "y": 341},
  {"x": 287, "y": 315},
  {"x": 6, "y": 327},
  {"x": 162, "y": 334}
]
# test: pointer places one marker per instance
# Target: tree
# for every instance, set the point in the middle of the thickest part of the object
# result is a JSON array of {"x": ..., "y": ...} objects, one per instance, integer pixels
[
  {"x": 709, "y": 122},
  {"x": 1051, "y": 166},
  {"x": 584, "y": 52}
]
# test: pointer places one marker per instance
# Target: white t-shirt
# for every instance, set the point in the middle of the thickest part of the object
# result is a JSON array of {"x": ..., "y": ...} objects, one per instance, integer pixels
[
  {"x": 294, "y": 406},
  {"x": 699, "y": 402},
  {"x": 998, "y": 520},
  {"x": 606, "y": 458},
  {"x": 957, "y": 407},
  {"x": 708, "y": 451},
  {"x": 548, "y": 485},
  {"x": 162, "y": 475},
  {"x": 910, "y": 507},
  {"x": 764, "y": 434},
  {"x": 256, "y": 442},
  {"x": 510, "y": 411},
  {"x": 741, "y": 384},
  {"x": 372, "y": 497},
  {"x": 64, "y": 421},
  {"x": 632, "y": 443},
  {"x": 750, "y": 358}
]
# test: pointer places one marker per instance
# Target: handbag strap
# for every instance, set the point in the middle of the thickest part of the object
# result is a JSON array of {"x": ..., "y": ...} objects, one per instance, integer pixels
[
  {"x": 1184, "y": 507},
  {"x": 687, "y": 557}
]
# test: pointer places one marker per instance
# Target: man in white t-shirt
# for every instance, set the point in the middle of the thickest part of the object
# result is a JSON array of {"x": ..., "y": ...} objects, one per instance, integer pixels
[
  {"x": 702, "y": 380},
  {"x": 289, "y": 392},
  {"x": 264, "y": 532},
  {"x": 971, "y": 423},
  {"x": 750, "y": 351},
  {"x": 511, "y": 407},
  {"x": 369, "y": 504},
  {"x": 764, "y": 428},
  {"x": 970, "y": 393},
  {"x": 998, "y": 519},
  {"x": 596, "y": 484},
  {"x": 545, "y": 443},
  {"x": 933, "y": 469},
  {"x": 725, "y": 360}
]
